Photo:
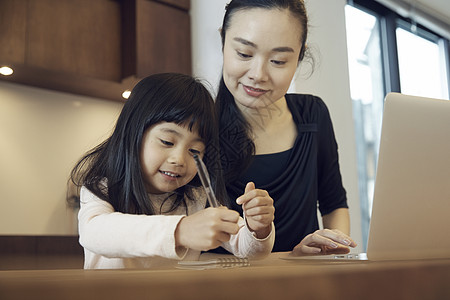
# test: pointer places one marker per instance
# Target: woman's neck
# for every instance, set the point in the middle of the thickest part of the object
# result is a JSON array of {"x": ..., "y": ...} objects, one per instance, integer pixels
[
  {"x": 273, "y": 128},
  {"x": 264, "y": 118}
]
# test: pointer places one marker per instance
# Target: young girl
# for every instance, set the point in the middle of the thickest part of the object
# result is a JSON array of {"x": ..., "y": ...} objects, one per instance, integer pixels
[{"x": 142, "y": 204}]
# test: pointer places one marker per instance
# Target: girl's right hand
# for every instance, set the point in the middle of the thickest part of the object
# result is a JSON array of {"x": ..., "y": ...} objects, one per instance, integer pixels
[{"x": 207, "y": 229}]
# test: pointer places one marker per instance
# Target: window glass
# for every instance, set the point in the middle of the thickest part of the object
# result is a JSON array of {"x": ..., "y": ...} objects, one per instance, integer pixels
[
  {"x": 422, "y": 71},
  {"x": 367, "y": 92}
]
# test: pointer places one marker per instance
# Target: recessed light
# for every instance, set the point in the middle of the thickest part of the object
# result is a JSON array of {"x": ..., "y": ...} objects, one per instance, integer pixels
[
  {"x": 126, "y": 94},
  {"x": 6, "y": 71}
]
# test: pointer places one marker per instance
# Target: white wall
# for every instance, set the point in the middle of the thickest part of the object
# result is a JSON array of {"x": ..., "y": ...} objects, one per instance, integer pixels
[
  {"x": 206, "y": 20},
  {"x": 330, "y": 79},
  {"x": 42, "y": 134}
]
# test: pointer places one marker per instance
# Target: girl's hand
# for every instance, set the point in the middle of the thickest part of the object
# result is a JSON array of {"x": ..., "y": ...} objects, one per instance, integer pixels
[
  {"x": 258, "y": 209},
  {"x": 325, "y": 241},
  {"x": 207, "y": 229}
]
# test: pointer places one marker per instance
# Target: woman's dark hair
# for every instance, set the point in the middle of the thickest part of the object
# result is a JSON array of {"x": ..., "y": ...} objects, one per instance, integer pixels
[
  {"x": 167, "y": 97},
  {"x": 236, "y": 143},
  {"x": 296, "y": 8}
]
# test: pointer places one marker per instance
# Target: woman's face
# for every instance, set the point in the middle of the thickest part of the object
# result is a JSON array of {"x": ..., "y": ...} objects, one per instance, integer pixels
[{"x": 260, "y": 53}]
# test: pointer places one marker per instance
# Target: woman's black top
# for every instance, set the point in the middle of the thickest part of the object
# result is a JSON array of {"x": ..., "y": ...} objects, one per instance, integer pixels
[{"x": 300, "y": 179}]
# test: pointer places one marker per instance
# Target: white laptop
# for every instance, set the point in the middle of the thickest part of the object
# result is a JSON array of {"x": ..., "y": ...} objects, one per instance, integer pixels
[{"x": 411, "y": 206}]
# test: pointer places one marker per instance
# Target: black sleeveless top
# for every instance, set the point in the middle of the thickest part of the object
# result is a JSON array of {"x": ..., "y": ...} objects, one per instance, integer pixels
[
  {"x": 266, "y": 168},
  {"x": 300, "y": 179}
]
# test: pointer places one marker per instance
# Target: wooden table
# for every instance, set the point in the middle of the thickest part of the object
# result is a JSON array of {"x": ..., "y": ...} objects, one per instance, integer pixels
[{"x": 271, "y": 278}]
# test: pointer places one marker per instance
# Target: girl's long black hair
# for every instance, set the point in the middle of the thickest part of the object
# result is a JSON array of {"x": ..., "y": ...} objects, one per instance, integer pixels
[
  {"x": 167, "y": 97},
  {"x": 236, "y": 144}
]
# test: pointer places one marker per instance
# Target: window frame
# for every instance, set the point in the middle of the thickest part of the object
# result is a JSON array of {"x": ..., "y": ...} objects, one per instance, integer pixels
[{"x": 389, "y": 21}]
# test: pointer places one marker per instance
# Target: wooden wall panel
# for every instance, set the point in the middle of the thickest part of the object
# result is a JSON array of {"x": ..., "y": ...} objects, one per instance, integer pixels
[
  {"x": 163, "y": 43},
  {"x": 40, "y": 252},
  {"x": 182, "y": 4},
  {"x": 12, "y": 31},
  {"x": 80, "y": 37},
  {"x": 96, "y": 48}
]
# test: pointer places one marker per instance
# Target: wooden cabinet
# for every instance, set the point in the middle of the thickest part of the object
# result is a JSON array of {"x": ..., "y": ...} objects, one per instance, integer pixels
[
  {"x": 159, "y": 28},
  {"x": 12, "y": 31},
  {"x": 95, "y": 48}
]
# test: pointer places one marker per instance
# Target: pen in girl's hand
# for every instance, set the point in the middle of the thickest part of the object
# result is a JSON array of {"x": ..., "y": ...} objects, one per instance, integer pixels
[{"x": 204, "y": 178}]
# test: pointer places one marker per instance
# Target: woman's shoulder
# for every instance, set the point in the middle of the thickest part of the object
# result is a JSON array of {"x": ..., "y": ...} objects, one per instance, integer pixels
[
  {"x": 306, "y": 106},
  {"x": 305, "y": 100}
]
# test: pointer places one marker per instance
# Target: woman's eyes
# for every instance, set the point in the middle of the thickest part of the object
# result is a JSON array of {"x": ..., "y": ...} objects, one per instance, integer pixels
[
  {"x": 243, "y": 55},
  {"x": 166, "y": 143},
  {"x": 278, "y": 62},
  {"x": 274, "y": 61}
]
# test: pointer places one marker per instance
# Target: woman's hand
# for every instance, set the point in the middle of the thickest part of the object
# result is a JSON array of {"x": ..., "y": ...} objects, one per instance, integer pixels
[
  {"x": 325, "y": 241},
  {"x": 258, "y": 210},
  {"x": 207, "y": 229}
]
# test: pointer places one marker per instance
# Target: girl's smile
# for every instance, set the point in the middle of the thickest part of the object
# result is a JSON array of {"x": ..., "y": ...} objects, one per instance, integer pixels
[
  {"x": 166, "y": 157},
  {"x": 170, "y": 175}
]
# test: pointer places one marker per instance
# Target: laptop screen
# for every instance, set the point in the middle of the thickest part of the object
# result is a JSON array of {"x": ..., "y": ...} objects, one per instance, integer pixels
[{"x": 411, "y": 208}]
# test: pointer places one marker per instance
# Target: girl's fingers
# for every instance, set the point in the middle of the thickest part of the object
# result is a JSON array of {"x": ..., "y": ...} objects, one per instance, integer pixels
[
  {"x": 223, "y": 237},
  {"x": 225, "y": 214},
  {"x": 229, "y": 228},
  {"x": 226, "y": 220}
]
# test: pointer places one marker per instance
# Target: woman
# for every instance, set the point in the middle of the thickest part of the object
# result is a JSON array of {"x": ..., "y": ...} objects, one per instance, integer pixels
[{"x": 284, "y": 143}]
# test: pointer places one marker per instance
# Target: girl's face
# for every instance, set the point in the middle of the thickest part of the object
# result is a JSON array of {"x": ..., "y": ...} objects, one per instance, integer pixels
[
  {"x": 167, "y": 156},
  {"x": 261, "y": 51}
]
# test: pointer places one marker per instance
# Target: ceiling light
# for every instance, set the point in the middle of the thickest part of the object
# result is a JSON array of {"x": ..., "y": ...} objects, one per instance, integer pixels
[
  {"x": 6, "y": 71},
  {"x": 126, "y": 94}
]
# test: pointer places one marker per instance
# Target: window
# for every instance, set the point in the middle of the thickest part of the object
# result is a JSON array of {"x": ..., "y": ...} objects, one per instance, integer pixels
[
  {"x": 367, "y": 92},
  {"x": 387, "y": 53},
  {"x": 421, "y": 66}
]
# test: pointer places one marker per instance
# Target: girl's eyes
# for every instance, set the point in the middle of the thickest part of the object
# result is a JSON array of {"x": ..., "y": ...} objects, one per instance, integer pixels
[
  {"x": 194, "y": 151},
  {"x": 170, "y": 144}
]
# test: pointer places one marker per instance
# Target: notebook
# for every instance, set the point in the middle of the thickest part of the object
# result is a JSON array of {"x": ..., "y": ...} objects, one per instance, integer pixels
[
  {"x": 411, "y": 204},
  {"x": 224, "y": 262}
]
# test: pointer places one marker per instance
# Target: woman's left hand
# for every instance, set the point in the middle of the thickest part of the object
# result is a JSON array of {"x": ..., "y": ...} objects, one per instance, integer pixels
[
  {"x": 258, "y": 210},
  {"x": 325, "y": 241}
]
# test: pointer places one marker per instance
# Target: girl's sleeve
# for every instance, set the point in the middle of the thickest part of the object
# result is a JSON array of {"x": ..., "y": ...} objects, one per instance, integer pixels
[
  {"x": 112, "y": 234},
  {"x": 245, "y": 244}
]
